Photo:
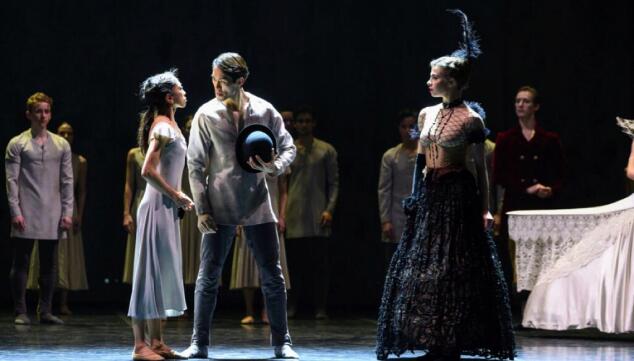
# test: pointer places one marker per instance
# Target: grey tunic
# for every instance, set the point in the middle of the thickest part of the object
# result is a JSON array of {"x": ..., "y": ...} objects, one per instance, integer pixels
[
  {"x": 71, "y": 263},
  {"x": 230, "y": 194},
  {"x": 313, "y": 188},
  {"x": 39, "y": 184},
  {"x": 395, "y": 183}
]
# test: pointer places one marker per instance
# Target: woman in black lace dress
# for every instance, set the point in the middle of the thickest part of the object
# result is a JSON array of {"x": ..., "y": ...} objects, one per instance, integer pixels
[{"x": 444, "y": 292}]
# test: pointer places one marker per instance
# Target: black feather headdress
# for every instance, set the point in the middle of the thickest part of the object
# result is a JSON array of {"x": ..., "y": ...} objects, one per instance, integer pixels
[{"x": 470, "y": 44}]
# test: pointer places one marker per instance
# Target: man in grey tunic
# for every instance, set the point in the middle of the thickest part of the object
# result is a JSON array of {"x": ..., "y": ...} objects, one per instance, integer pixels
[
  {"x": 39, "y": 179},
  {"x": 230, "y": 196},
  {"x": 313, "y": 189},
  {"x": 395, "y": 183}
]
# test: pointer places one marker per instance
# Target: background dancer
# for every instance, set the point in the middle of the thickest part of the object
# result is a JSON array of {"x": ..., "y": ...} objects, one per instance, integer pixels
[
  {"x": 40, "y": 195},
  {"x": 71, "y": 265}
]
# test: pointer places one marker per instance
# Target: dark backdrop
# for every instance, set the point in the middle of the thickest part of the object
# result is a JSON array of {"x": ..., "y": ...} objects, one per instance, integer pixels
[{"x": 357, "y": 64}]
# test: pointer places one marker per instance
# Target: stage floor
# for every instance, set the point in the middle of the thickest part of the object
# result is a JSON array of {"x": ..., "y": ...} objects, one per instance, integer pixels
[{"x": 109, "y": 337}]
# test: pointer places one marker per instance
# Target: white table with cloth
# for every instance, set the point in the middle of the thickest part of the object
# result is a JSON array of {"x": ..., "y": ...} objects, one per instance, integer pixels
[{"x": 578, "y": 265}]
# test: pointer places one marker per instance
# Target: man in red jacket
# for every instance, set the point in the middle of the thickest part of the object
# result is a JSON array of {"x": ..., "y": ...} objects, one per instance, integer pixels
[{"x": 528, "y": 164}]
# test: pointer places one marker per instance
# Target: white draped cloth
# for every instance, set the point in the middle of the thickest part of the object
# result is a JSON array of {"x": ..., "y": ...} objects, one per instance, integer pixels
[
  {"x": 589, "y": 279},
  {"x": 543, "y": 236}
]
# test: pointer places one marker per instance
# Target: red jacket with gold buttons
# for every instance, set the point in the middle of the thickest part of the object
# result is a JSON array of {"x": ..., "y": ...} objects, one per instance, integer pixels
[{"x": 518, "y": 164}]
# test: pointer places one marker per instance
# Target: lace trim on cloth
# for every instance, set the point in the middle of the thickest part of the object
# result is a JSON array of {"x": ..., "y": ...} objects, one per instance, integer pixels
[
  {"x": 592, "y": 245},
  {"x": 542, "y": 237}
]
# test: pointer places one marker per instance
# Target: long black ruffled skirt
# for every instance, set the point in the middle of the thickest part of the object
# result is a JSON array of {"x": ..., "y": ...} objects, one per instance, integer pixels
[{"x": 444, "y": 291}]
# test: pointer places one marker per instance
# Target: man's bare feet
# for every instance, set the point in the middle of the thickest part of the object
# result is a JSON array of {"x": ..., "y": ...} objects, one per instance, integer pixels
[
  {"x": 247, "y": 320},
  {"x": 64, "y": 310}
]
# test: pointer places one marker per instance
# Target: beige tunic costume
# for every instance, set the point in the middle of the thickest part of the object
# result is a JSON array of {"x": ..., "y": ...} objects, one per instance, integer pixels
[
  {"x": 136, "y": 158},
  {"x": 395, "y": 183},
  {"x": 313, "y": 187},
  {"x": 39, "y": 183},
  {"x": 190, "y": 238},
  {"x": 71, "y": 264},
  {"x": 39, "y": 177}
]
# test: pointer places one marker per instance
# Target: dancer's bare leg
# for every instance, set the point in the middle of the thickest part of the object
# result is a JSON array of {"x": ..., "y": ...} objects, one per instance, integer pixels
[
  {"x": 154, "y": 329},
  {"x": 141, "y": 349},
  {"x": 63, "y": 302},
  {"x": 265, "y": 316},
  {"x": 249, "y": 296},
  {"x": 157, "y": 344}
]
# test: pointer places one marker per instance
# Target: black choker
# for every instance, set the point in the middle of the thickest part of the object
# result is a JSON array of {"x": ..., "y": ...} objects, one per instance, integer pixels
[{"x": 452, "y": 104}]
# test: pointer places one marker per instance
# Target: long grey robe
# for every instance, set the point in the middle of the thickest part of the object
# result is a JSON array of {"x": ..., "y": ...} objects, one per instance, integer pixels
[
  {"x": 39, "y": 184},
  {"x": 313, "y": 187},
  {"x": 395, "y": 183}
]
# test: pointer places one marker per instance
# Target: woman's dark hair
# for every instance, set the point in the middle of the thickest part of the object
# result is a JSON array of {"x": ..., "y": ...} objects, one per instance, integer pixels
[
  {"x": 459, "y": 63},
  {"x": 304, "y": 109},
  {"x": 405, "y": 113},
  {"x": 233, "y": 65},
  {"x": 152, "y": 94}
]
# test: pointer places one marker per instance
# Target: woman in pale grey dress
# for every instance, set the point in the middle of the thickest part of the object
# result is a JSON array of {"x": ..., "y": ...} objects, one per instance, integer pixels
[
  {"x": 244, "y": 270},
  {"x": 132, "y": 195},
  {"x": 157, "y": 281}
]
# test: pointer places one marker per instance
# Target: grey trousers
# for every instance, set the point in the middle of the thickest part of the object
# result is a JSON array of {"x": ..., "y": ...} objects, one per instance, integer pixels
[{"x": 264, "y": 243}]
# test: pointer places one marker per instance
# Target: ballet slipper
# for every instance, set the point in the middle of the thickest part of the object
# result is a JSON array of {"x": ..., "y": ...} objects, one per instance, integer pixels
[
  {"x": 145, "y": 354},
  {"x": 166, "y": 352}
]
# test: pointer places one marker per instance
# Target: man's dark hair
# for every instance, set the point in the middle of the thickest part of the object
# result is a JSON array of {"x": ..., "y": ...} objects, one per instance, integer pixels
[
  {"x": 304, "y": 109},
  {"x": 404, "y": 113},
  {"x": 233, "y": 65}
]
